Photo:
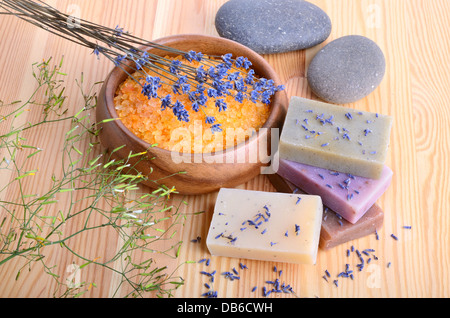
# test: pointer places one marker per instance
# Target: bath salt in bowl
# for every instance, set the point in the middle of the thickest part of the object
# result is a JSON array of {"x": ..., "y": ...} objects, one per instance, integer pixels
[
  {"x": 198, "y": 146},
  {"x": 148, "y": 119}
]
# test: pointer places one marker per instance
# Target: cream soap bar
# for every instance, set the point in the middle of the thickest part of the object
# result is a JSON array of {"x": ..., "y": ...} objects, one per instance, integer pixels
[
  {"x": 335, "y": 137},
  {"x": 267, "y": 226}
]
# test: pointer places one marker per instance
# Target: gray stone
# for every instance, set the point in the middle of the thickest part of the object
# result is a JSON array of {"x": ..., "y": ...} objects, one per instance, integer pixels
[
  {"x": 273, "y": 26},
  {"x": 346, "y": 69}
]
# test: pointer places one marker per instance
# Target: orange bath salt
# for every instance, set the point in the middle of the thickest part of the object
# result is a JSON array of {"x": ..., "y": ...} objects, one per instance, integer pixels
[{"x": 145, "y": 118}]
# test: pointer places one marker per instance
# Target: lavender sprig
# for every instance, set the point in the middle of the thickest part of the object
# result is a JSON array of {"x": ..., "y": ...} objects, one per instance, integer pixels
[{"x": 215, "y": 77}]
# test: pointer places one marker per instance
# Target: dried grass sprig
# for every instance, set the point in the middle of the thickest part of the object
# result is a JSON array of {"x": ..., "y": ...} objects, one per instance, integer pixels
[
  {"x": 88, "y": 192},
  {"x": 216, "y": 76}
]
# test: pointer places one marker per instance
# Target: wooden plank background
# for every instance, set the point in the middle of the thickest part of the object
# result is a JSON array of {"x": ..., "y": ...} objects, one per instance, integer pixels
[{"x": 414, "y": 36}]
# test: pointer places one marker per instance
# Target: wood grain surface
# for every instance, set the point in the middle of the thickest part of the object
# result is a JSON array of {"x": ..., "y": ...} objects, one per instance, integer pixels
[{"x": 414, "y": 36}]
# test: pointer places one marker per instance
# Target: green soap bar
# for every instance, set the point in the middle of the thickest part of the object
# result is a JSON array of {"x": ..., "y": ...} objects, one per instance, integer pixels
[{"x": 335, "y": 137}]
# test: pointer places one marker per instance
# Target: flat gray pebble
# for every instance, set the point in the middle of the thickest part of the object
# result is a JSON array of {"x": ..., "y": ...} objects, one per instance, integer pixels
[
  {"x": 346, "y": 69},
  {"x": 273, "y": 26}
]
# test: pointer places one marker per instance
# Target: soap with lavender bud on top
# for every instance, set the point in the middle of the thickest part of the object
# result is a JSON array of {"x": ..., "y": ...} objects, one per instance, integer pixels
[
  {"x": 335, "y": 137},
  {"x": 336, "y": 230},
  {"x": 348, "y": 195},
  {"x": 266, "y": 226}
]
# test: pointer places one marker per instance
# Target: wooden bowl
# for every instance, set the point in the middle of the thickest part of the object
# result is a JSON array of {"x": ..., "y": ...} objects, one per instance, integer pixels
[{"x": 203, "y": 172}]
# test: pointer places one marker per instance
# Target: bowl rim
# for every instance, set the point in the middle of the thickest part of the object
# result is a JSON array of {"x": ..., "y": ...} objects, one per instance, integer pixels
[{"x": 255, "y": 58}]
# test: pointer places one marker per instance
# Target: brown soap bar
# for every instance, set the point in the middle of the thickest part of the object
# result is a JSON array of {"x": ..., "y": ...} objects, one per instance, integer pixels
[
  {"x": 334, "y": 233},
  {"x": 335, "y": 230}
]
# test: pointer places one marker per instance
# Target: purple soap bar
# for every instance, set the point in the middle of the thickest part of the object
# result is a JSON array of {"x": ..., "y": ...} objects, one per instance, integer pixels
[
  {"x": 335, "y": 230},
  {"x": 349, "y": 196}
]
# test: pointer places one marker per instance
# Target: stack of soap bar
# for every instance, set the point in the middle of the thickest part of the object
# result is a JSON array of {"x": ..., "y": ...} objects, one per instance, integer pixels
[
  {"x": 266, "y": 226},
  {"x": 335, "y": 230},
  {"x": 348, "y": 195},
  {"x": 335, "y": 137}
]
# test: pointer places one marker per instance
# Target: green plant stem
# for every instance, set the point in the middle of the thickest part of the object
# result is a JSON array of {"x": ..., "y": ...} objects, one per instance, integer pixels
[{"x": 96, "y": 179}]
